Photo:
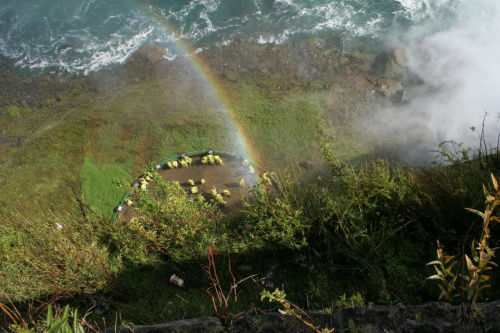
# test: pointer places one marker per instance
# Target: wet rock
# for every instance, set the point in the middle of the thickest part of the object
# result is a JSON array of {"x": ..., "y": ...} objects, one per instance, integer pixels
[
  {"x": 148, "y": 54},
  {"x": 308, "y": 165},
  {"x": 197, "y": 325},
  {"x": 433, "y": 317},
  {"x": 398, "y": 96},
  {"x": 392, "y": 64},
  {"x": 414, "y": 327},
  {"x": 240, "y": 39}
]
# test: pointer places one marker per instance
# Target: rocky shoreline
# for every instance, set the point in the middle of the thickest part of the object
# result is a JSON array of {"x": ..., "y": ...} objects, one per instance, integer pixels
[{"x": 307, "y": 65}]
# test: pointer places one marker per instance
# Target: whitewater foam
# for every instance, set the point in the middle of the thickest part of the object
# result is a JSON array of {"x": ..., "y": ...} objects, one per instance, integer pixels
[{"x": 455, "y": 51}]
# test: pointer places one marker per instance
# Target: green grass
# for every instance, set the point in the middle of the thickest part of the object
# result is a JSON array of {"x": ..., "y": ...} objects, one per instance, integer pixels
[
  {"x": 100, "y": 187},
  {"x": 13, "y": 111},
  {"x": 283, "y": 131},
  {"x": 148, "y": 121}
]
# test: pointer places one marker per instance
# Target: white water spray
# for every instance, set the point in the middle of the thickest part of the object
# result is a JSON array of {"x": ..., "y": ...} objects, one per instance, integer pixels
[{"x": 455, "y": 48}]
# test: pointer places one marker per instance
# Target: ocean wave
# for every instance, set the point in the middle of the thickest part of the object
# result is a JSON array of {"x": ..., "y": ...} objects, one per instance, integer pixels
[{"x": 91, "y": 35}]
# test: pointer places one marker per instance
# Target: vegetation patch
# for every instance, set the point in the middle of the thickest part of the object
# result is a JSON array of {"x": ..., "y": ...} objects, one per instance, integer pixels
[
  {"x": 100, "y": 187},
  {"x": 295, "y": 119},
  {"x": 13, "y": 111},
  {"x": 363, "y": 229}
]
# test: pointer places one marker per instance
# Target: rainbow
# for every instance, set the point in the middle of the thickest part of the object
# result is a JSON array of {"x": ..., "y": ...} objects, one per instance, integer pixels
[{"x": 208, "y": 80}]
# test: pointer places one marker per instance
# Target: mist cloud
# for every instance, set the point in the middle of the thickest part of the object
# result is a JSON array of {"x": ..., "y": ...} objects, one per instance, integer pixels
[{"x": 456, "y": 51}]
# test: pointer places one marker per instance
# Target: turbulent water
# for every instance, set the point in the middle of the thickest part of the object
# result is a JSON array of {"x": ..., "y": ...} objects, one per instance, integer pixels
[
  {"x": 81, "y": 36},
  {"x": 455, "y": 43}
]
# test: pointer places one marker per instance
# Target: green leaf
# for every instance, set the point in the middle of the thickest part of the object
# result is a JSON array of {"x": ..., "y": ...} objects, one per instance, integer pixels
[
  {"x": 478, "y": 290},
  {"x": 450, "y": 267},
  {"x": 56, "y": 327},
  {"x": 50, "y": 317},
  {"x": 76, "y": 326},
  {"x": 448, "y": 258},
  {"x": 469, "y": 262},
  {"x": 435, "y": 262},
  {"x": 444, "y": 293},
  {"x": 486, "y": 192},
  {"x": 435, "y": 277},
  {"x": 484, "y": 278},
  {"x": 475, "y": 212},
  {"x": 494, "y": 180}
]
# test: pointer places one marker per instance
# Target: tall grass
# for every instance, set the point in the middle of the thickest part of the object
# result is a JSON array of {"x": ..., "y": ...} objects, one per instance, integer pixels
[{"x": 50, "y": 254}]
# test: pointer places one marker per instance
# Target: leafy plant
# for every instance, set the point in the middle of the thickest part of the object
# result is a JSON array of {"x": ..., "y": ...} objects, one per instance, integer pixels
[
  {"x": 60, "y": 324},
  {"x": 345, "y": 303},
  {"x": 13, "y": 111},
  {"x": 50, "y": 253},
  {"x": 279, "y": 297},
  {"x": 170, "y": 221},
  {"x": 474, "y": 277},
  {"x": 443, "y": 266},
  {"x": 353, "y": 328},
  {"x": 67, "y": 321},
  {"x": 273, "y": 218}
]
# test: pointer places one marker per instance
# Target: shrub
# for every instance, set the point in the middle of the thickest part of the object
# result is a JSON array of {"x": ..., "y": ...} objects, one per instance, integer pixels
[
  {"x": 360, "y": 219},
  {"x": 272, "y": 218},
  {"x": 472, "y": 271},
  {"x": 14, "y": 111},
  {"x": 50, "y": 253},
  {"x": 172, "y": 222}
]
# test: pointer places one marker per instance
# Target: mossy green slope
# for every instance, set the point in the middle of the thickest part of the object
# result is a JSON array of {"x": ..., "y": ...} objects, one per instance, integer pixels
[
  {"x": 148, "y": 120},
  {"x": 99, "y": 187}
]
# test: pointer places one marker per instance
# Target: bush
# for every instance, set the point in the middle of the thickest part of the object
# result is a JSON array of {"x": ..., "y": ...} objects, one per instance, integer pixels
[
  {"x": 14, "y": 111},
  {"x": 50, "y": 253},
  {"x": 172, "y": 222},
  {"x": 360, "y": 219},
  {"x": 364, "y": 230},
  {"x": 272, "y": 218}
]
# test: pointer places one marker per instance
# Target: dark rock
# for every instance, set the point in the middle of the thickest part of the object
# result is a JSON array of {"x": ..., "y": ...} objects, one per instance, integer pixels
[
  {"x": 392, "y": 64},
  {"x": 398, "y": 96},
  {"x": 197, "y": 325},
  {"x": 240, "y": 39},
  {"x": 433, "y": 317},
  {"x": 148, "y": 54},
  {"x": 270, "y": 322},
  {"x": 308, "y": 165},
  {"x": 414, "y": 327},
  {"x": 494, "y": 328}
]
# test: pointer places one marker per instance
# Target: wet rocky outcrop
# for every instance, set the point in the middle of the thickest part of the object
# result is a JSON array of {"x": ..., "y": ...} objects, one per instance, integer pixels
[
  {"x": 197, "y": 325},
  {"x": 392, "y": 64},
  {"x": 310, "y": 64},
  {"x": 432, "y": 317},
  {"x": 306, "y": 65}
]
